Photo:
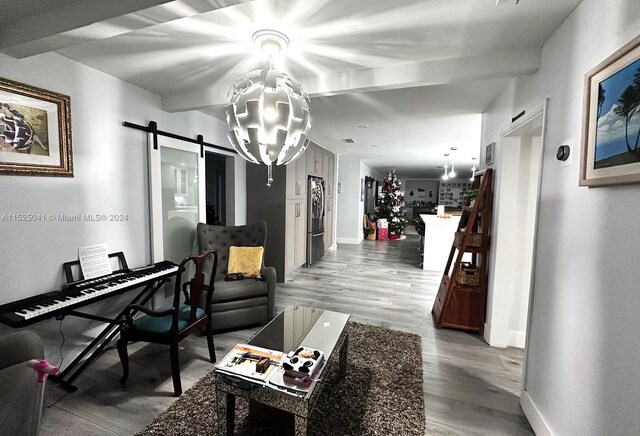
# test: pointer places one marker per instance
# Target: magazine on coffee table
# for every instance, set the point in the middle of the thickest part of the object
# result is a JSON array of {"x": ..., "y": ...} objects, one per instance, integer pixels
[{"x": 241, "y": 362}]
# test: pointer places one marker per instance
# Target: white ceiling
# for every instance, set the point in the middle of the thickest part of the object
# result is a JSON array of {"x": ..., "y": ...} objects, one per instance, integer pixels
[{"x": 416, "y": 73}]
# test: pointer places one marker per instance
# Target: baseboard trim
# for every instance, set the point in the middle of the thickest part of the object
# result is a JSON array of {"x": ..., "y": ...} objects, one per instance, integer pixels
[
  {"x": 533, "y": 415},
  {"x": 487, "y": 333},
  {"x": 516, "y": 339},
  {"x": 491, "y": 341},
  {"x": 348, "y": 240}
]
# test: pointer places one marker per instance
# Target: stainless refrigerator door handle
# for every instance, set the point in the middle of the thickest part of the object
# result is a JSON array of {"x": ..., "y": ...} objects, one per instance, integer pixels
[{"x": 322, "y": 201}]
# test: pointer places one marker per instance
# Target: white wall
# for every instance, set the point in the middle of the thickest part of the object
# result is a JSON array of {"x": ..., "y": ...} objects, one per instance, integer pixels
[
  {"x": 427, "y": 185},
  {"x": 110, "y": 175},
  {"x": 349, "y": 205},
  {"x": 236, "y": 194},
  {"x": 582, "y": 376},
  {"x": 350, "y": 208}
]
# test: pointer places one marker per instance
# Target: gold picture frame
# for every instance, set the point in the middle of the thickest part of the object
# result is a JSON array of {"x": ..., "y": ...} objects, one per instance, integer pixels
[
  {"x": 35, "y": 131},
  {"x": 610, "y": 152}
]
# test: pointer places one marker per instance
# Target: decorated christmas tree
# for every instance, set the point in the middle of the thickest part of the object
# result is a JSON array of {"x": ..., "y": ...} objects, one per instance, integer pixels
[{"x": 391, "y": 204}]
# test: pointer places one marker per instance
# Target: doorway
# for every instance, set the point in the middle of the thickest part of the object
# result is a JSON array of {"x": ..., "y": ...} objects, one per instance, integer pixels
[
  {"x": 216, "y": 191},
  {"x": 517, "y": 191}
]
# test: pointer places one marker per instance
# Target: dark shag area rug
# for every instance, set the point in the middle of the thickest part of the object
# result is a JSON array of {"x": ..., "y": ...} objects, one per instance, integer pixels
[{"x": 381, "y": 394}]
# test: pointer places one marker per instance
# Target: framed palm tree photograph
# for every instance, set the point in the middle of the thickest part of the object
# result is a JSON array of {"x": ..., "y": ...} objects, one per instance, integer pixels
[
  {"x": 611, "y": 120},
  {"x": 35, "y": 131}
]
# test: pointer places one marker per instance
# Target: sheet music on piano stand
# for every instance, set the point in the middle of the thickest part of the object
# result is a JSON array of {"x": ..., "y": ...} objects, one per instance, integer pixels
[{"x": 94, "y": 261}]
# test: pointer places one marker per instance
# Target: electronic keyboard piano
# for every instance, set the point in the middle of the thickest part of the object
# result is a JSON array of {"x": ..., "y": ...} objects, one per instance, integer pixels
[
  {"x": 81, "y": 293},
  {"x": 76, "y": 294}
]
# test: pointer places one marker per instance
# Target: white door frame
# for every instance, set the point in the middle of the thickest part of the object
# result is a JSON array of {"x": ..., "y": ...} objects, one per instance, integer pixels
[
  {"x": 515, "y": 130},
  {"x": 498, "y": 331}
]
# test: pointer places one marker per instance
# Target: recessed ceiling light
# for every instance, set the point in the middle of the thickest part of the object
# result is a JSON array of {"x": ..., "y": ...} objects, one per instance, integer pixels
[
  {"x": 348, "y": 140},
  {"x": 363, "y": 126},
  {"x": 374, "y": 145}
]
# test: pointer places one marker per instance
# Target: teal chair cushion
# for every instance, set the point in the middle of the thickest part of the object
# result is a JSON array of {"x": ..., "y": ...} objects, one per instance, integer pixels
[{"x": 162, "y": 324}]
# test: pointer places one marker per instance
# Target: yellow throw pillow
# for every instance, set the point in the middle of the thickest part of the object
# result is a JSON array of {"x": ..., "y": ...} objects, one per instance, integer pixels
[{"x": 245, "y": 260}]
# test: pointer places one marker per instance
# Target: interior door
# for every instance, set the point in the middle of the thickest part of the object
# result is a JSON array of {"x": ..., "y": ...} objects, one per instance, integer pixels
[{"x": 177, "y": 196}]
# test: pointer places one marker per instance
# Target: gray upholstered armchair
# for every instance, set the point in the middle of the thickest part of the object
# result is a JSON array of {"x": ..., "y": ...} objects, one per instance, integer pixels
[
  {"x": 242, "y": 302},
  {"x": 18, "y": 381}
]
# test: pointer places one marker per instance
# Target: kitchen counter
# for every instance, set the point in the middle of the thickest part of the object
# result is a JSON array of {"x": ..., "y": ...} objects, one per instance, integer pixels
[{"x": 438, "y": 238}]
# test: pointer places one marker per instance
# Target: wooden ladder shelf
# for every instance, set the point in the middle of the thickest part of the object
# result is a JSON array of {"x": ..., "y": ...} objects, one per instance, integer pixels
[{"x": 462, "y": 296}]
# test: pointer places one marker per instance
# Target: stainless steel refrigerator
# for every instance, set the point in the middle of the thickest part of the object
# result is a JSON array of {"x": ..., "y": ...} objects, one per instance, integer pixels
[{"x": 315, "y": 219}]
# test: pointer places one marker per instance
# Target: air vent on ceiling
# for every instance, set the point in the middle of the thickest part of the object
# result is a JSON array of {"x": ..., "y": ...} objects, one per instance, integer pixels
[{"x": 348, "y": 140}]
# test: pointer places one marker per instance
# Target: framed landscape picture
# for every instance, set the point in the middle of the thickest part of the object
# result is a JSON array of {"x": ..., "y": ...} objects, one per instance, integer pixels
[
  {"x": 35, "y": 131},
  {"x": 611, "y": 120},
  {"x": 488, "y": 153}
]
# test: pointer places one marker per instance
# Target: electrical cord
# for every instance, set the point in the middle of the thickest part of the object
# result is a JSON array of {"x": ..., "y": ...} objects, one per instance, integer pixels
[
  {"x": 61, "y": 344},
  {"x": 60, "y": 364}
]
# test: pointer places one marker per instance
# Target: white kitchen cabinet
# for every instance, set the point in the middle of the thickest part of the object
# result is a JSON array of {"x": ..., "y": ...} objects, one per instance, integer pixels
[
  {"x": 284, "y": 207},
  {"x": 297, "y": 179},
  {"x": 314, "y": 160},
  {"x": 331, "y": 171},
  {"x": 329, "y": 224},
  {"x": 295, "y": 234}
]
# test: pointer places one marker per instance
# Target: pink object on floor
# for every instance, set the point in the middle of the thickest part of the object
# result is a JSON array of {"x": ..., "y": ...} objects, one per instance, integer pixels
[{"x": 43, "y": 368}]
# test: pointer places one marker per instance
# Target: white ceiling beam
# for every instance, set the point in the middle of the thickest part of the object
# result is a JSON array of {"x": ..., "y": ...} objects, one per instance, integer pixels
[
  {"x": 90, "y": 20},
  {"x": 426, "y": 73}
]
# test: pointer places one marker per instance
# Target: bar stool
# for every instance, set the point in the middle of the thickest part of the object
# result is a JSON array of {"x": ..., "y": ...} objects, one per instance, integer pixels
[
  {"x": 420, "y": 228},
  {"x": 419, "y": 225}
]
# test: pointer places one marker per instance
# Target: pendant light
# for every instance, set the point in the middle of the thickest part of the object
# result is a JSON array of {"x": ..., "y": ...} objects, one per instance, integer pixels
[
  {"x": 473, "y": 169},
  {"x": 445, "y": 176},
  {"x": 268, "y": 115},
  {"x": 452, "y": 173}
]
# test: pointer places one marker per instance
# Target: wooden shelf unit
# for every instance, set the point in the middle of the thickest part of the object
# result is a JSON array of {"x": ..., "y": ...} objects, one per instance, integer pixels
[{"x": 457, "y": 305}]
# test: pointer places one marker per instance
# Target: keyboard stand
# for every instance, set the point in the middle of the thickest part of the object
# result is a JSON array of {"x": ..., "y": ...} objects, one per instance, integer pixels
[{"x": 98, "y": 344}]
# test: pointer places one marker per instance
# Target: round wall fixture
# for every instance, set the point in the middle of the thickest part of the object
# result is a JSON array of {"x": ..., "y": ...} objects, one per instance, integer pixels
[{"x": 563, "y": 152}]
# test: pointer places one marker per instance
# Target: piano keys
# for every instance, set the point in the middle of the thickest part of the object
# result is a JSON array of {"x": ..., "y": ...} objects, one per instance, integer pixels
[{"x": 81, "y": 293}]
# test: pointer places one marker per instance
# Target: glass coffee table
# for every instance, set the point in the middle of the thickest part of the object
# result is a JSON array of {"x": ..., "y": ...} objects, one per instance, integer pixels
[{"x": 295, "y": 326}]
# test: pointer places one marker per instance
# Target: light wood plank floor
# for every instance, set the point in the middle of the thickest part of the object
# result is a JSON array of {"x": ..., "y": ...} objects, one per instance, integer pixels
[{"x": 469, "y": 387}]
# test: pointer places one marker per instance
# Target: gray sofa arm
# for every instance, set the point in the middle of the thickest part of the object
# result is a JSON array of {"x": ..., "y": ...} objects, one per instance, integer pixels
[
  {"x": 269, "y": 275},
  {"x": 20, "y": 347}
]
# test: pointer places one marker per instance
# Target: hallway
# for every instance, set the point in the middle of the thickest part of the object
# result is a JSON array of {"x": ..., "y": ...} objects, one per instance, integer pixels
[{"x": 469, "y": 387}]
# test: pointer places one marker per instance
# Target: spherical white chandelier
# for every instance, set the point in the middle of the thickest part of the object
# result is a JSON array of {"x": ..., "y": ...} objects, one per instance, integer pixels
[{"x": 269, "y": 115}]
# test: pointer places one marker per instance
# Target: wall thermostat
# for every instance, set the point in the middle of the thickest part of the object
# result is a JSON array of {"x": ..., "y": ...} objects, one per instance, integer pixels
[
  {"x": 563, "y": 152},
  {"x": 339, "y": 187}
]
